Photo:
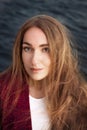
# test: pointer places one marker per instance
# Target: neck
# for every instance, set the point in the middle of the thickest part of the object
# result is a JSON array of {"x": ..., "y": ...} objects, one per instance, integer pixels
[
  {"x": 36, "y": 89},
  {"x": 36, "y": 93}
]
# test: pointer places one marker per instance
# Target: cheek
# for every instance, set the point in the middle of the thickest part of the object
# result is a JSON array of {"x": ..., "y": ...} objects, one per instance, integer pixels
[
  {"x": 47, "y": 61},
  {"x": 25, "y": 59}
]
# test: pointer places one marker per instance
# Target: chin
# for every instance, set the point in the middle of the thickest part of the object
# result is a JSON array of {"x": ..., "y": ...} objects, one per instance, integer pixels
[{"x": 38, "y": 78}]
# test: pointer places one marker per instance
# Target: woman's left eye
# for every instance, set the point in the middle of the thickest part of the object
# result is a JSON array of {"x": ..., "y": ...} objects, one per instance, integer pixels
[{"x": 45, "y": 49}]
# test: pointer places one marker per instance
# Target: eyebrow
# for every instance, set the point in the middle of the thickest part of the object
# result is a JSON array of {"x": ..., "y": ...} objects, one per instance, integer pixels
[{"x": 42, "y": 45}]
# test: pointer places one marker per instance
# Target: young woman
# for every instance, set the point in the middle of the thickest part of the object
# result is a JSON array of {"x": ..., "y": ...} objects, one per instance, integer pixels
[{"x": 43, "y": 89}]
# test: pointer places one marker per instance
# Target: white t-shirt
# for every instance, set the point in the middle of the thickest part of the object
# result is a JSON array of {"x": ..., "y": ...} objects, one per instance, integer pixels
[{"x": 39, "y": 116}]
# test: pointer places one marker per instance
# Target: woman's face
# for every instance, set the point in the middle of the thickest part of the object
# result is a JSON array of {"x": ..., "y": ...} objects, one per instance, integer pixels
[{"x": 35, "y": 54}]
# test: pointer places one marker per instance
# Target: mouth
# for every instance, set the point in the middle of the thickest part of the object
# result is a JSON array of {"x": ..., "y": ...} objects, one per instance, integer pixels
[{"x": 36, "y": 69}]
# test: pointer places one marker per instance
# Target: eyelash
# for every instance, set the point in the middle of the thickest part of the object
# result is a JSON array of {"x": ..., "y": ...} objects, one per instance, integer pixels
[
  {"x": 27, "y": 49},
  {"x": 46, "y": 49}
]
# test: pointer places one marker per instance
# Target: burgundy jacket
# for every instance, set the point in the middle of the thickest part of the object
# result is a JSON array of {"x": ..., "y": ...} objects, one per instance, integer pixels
[{"x": 19, "y": 118}]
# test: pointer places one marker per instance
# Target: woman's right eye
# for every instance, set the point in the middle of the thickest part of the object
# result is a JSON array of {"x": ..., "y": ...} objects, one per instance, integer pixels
[{"x": 27, "y": 49}]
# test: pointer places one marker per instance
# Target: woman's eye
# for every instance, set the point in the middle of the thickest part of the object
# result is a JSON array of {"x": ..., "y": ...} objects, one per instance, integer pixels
[
  {"x": 27, "y": 49},
  {"x": 45, "y": 49}
]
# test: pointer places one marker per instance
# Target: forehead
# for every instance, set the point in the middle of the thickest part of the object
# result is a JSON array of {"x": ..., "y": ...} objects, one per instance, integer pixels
[{"x": 35, "y": 36}]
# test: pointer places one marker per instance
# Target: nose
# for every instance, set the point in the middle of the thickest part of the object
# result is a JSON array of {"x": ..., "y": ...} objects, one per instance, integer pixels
[{"x": 35, "y": 58}]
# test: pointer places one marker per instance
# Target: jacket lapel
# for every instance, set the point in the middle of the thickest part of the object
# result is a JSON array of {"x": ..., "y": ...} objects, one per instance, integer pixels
[
  {"x": 19, "y": 118},
  {"x": 22, "y": 111}
]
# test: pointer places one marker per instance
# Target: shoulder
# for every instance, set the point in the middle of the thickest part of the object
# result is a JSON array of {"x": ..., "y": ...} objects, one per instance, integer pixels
[
  {"x": 78, "y": 114},
  {"x": 4, "y": 79}
]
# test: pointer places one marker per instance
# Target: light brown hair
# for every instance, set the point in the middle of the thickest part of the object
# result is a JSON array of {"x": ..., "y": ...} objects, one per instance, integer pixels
[{"x": 64, "y": 89}]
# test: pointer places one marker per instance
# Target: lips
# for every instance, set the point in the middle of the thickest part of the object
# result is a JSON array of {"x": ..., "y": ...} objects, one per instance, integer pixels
[{"x": 36, "y": 69}]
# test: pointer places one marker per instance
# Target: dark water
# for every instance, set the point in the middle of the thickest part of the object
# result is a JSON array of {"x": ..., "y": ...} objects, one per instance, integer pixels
[{"x": 13, "y": 13}]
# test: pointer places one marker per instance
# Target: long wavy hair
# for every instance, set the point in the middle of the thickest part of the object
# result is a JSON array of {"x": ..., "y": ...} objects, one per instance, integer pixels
[{"x": 64, "y": 84}]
